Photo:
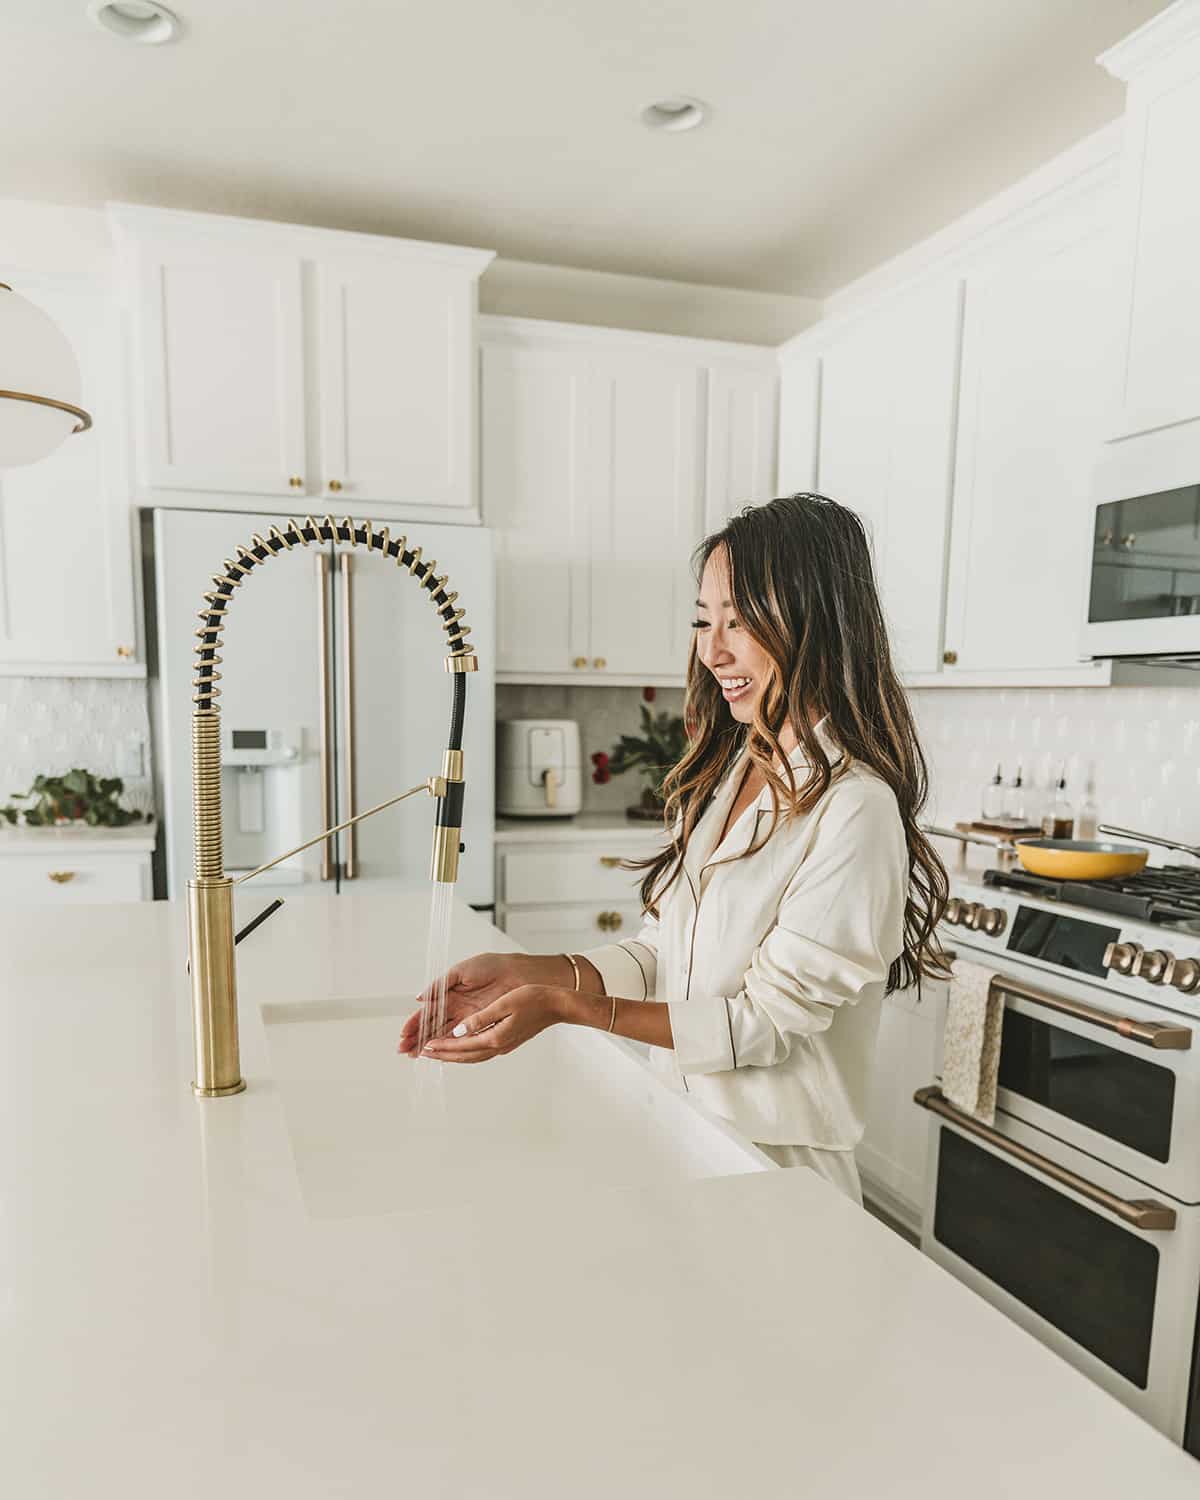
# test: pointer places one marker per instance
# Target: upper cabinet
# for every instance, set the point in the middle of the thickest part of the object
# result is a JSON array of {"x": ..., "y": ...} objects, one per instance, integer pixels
[
  {"x": 1030, "y": 428},
  {"x": 1158, "y": 291},
  {"x": 868, "y": 419},
  {"x": 605, "y": 456},
  {"x": 66, "y": 542},
  {"x": 274, "y": 360}
]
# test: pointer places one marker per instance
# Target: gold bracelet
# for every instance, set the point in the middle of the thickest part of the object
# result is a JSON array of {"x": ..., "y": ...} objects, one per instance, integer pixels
[
  {"x": 612, "y": 1020},
  {"x": 574, "y": 969}
]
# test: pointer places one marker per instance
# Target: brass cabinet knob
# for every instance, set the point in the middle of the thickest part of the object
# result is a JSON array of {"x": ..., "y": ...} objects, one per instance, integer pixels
[
  {"x": 124, "y": 652},
  {"x": 615, "y": 921},
  {"x": 335, "y": 485},
  {"x": 60, "y": 877},
  {"x": 950, "y": 657},
  {"x": 602, "y": 921},
  {"x": 600, "y": 664},
  {"x": 296, "y": 482},
  {"x": 580, "y": 662}
]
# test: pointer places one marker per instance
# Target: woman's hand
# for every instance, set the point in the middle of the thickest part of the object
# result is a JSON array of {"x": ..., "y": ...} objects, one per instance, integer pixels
[
  {"x": 477, "y": 982},
  {"x": 501, "y": 1026}
]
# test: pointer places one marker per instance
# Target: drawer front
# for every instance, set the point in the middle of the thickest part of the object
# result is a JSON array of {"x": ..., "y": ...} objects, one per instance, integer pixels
[
  {"x": 543, "y": 876},
  {"x": 571, "y": 929},
  {"x": 66, "y": 879}
]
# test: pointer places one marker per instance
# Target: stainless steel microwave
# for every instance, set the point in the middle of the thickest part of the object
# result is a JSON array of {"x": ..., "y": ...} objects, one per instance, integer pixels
[{"x": 1144, "y": 581}]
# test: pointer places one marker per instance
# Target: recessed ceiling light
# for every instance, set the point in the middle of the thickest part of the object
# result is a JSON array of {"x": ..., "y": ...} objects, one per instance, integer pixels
[
  {"x": 677, "y": 113},
  {"x": 135, "y": 20}
]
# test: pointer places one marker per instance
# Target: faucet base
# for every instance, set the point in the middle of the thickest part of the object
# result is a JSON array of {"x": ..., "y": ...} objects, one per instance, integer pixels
[{"x": 234, "y": 1088}]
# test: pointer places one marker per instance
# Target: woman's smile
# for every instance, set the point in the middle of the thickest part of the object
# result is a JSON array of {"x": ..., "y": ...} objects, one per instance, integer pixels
[{"x": 734, "y": 687}]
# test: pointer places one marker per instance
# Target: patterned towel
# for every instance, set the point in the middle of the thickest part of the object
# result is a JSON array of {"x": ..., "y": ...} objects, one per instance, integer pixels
[{"x": 971, "y": 1049}]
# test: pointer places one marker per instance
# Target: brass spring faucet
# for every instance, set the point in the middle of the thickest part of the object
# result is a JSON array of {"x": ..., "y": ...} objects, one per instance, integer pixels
[{"x": 210, "y": 892}]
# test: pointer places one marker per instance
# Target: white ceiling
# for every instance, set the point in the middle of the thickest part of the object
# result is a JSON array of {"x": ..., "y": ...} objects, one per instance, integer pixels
[{"x": 842, "y": 130}]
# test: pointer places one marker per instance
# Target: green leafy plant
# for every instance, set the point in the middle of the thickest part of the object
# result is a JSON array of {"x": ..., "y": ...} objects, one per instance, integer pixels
[
  {"x": 652, "y": 754},
  {"x": 77, "y": 797}
]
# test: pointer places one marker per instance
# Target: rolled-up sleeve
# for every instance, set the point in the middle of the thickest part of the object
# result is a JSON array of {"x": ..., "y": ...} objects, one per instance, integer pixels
[
  {"x": 839, "y": 927},
  {"x": 629, "y": 969}
]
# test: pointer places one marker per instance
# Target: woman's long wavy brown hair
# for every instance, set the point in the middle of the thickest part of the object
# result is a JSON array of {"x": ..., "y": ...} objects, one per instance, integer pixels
[{"x": 804, "y": 588}]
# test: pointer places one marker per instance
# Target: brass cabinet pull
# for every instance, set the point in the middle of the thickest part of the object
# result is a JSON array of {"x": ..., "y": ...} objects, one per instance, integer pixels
[
  {"x": 296, "y": 482},
  {"x": 346, "y": 569},
  {"x": 1142, "y": 1213},
  {"x": 124, "y": 652},
  {"x": 950, "y": 657},
  {"x": 600, "y": 664},
  {"x": 324, "y": 708},
  {"x": 335, "y": 485},
  {"x": 610, "y": 861},
  {"x": 580, "y": 662},
  {"x": 60, "y": 877},
  {"x": 1149, "y": 1033}
]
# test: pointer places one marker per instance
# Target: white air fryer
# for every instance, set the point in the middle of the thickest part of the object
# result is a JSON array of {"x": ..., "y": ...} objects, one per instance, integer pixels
[{"x": 538, "y": 772}]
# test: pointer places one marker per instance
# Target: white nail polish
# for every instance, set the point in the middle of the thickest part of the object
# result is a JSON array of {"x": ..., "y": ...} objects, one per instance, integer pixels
[{"x": 460, "y": 1029}]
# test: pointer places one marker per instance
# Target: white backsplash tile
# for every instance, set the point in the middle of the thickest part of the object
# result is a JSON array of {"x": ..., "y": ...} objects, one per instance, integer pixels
[{"x": 50, "y": 725}]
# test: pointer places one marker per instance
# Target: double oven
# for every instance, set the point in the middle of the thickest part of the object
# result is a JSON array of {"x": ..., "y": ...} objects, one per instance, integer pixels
[{"x": 1078, "y": 1212}]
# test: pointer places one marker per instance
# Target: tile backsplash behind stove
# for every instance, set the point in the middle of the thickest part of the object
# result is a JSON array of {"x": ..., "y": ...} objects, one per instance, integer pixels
[{"x": 1142, "y": 745}]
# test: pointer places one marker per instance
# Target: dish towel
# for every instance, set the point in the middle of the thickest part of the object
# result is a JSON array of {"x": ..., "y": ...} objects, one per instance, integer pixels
[{"x": 971, "y": 1049}]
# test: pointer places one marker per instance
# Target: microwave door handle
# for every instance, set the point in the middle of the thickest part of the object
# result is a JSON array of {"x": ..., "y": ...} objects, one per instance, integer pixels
[
  {"x": 1155, "y": 1034},
  {"x": 346, "y": 569},
  {"x": 324, "y": 709},
  {"x": 1141, "y": 1213}
]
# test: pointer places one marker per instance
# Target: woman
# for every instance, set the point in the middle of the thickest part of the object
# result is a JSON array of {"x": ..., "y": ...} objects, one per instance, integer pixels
[{"x": 797, "y": 888}]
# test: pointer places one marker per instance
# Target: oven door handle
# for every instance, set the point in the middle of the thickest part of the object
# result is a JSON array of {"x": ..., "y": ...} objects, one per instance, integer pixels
[
  {"x": 1141, "y": 1213},
  {"x": 1149, "y": 1033}
]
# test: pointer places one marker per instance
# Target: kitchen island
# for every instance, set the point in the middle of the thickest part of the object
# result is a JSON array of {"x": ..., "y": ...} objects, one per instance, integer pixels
[{"x": 368, "y": 1276}]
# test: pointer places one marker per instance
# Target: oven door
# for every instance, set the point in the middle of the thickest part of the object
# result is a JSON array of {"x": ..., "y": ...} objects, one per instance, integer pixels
[
  {"x": 1080, "y": 1255},
  {"x": 1144, "y": 585},
  {"x": 1105, "y": 1073}
]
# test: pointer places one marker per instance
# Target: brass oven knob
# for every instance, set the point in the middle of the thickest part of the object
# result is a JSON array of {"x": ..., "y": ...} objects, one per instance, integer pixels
[
  {"x": 993, "y": 921},
  {"x": 954, "y": 910},
  {"x": 973, "y": 915},
  {"x": 1182, "y": 974},
  {"x": 1122, "y": 957},
  {"x": 1152, "y": 965}
]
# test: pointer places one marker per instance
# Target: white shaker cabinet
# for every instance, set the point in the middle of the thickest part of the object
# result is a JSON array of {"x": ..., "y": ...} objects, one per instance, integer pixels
[
  {"x": 1031, "y": 411},
  {"x": 66, "y": 542},
  {"x": 876, "y": 395},
  {"x": 280, "y": 360},
  {"x": 1157, "y": 372},
  {"x": 646, "y": 499},
  {"x": 604, "y": 456}
]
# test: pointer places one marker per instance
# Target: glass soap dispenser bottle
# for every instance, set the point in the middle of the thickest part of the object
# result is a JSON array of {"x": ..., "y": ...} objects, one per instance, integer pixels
[
  {"x": 1058, "y": 822},
  {"x": 1014, "y": 797},
  {"x": 993, "y": 796}
]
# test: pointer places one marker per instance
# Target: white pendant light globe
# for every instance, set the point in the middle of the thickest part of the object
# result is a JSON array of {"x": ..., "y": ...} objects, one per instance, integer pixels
[{"x": 39, "y": 383}]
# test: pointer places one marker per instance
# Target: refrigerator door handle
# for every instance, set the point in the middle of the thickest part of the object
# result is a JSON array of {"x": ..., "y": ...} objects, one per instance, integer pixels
[
  {"x": 325, "y": 709},
  {"x": 346, "y": 569}
]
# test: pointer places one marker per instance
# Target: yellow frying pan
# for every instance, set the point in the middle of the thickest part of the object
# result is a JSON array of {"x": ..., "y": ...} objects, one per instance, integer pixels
[{"x": 1079, "y": 859}]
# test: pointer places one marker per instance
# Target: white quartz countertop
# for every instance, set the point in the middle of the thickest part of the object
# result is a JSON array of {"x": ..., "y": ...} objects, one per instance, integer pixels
[
  {"x": 339, "y": 1284},
  {"x": 134, "y": 838},
  {"x": 582, "y": 828}
]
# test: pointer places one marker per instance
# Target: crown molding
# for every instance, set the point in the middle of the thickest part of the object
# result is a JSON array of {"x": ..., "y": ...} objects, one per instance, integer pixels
[{"x": 1174, "y": 27}]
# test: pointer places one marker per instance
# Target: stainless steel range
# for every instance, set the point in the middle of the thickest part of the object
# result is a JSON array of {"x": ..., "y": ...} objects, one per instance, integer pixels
[{"x": 1078, "y": 1213}]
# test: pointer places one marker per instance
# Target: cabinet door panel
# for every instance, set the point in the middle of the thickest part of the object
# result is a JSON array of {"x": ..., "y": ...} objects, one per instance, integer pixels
[
  {"x": 66, "y": 547},
  {"x": 742, "y": 424},
  {"x": 887, "y": 413},
  {"x": 397, "y": 370},
  {"x": 221, "y": 342},
  {"x": 1029, "y": 435},
  {"x": 571, "y": 929},
  {"x": 533, "y": 468},
  {"x": 646, "y": 505},
  {"x": 1159, "y": 372}
]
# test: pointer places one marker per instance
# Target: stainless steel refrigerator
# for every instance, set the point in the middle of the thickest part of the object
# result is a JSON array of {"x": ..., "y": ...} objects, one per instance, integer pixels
[{"x": 333, "y": 698}]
